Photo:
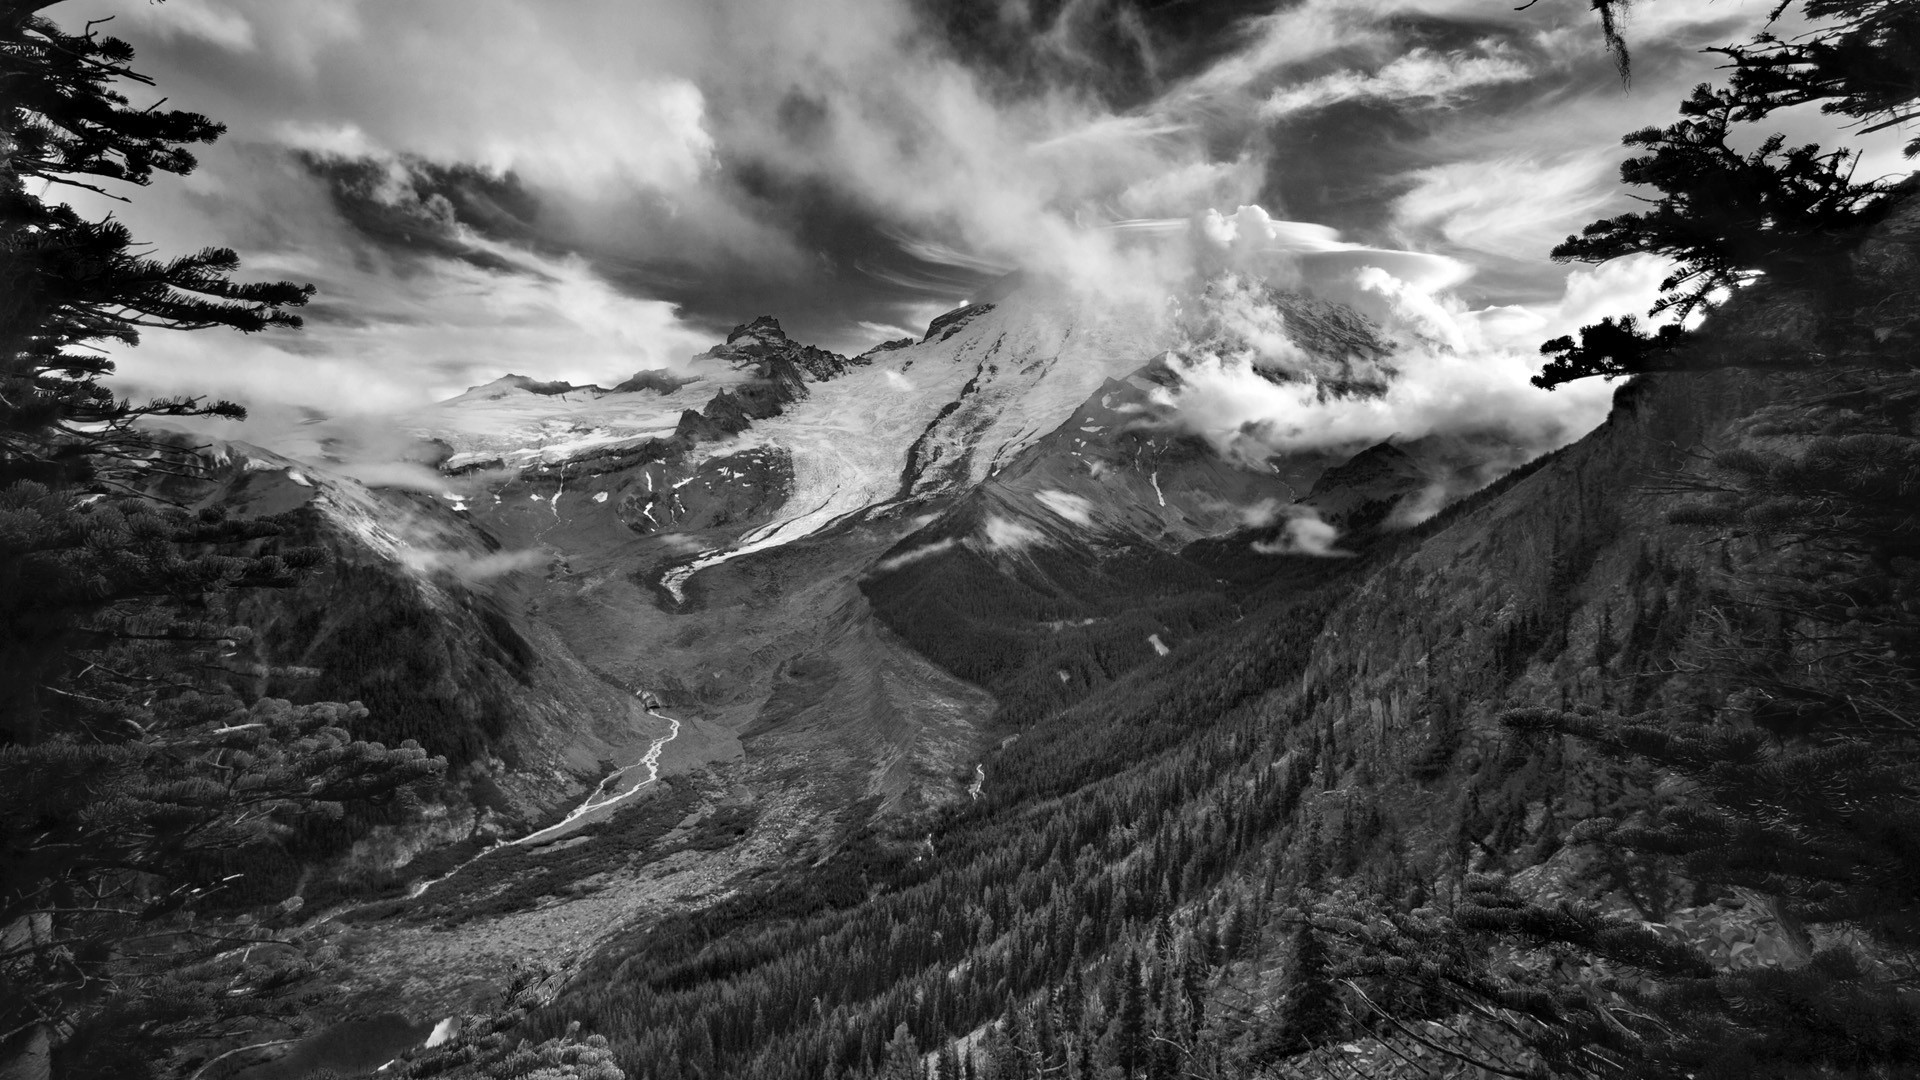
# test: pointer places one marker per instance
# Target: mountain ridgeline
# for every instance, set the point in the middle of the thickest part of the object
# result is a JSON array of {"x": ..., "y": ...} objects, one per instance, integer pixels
[
  {"x": 968, "y": 709},
  {"x": 1061, "y": 756},
  {"x": 1014, "y": 743},
  {"x": 1162, "y": 868}
]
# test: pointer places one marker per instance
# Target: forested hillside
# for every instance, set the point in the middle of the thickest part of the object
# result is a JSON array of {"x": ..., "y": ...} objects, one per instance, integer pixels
[
  {"x": 1168, "y": 876},
  {"x": 1000, "y": 731}
]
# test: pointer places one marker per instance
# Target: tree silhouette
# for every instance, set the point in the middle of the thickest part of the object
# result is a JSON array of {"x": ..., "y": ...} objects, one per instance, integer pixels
[
  {"x": 68, "y": 284},
  {"x": 131, "y": 782},
  {"x": 1728, "y": 218}
]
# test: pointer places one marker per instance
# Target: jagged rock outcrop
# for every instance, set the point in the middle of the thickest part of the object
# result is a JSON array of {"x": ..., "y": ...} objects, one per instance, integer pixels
[
  {"x": 762, "y": 343},
  {"x": 505, "y": 384},
  {"x": 945, "y": 326},
  {"x": 658, "y": 380}
]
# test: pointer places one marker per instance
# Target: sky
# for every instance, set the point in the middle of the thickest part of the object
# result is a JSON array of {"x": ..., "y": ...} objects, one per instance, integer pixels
[{"x": 581, "y": 189}]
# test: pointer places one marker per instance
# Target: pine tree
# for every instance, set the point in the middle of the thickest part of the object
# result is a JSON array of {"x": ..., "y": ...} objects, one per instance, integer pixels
[
  {"x": 1130, "y": 1035},
  {"x": 68, "y": 284},
  {"x": 72, "y": 462},
  {"x": 1803, "y": 776},
  {"x": 130, "y": 780},
  {"x": 1778, "y": 214},
  {"x": 1309, "y": 1014}
]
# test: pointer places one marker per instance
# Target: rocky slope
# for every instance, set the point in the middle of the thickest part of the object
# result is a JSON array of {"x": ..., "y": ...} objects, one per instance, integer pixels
[{"x": 768, "y": 546}]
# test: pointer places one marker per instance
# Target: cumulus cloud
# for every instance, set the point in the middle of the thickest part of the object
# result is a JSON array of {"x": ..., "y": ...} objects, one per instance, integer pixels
[
  {"x": 1451, "y": 371},
  {"x": 1303, "y": 533}
]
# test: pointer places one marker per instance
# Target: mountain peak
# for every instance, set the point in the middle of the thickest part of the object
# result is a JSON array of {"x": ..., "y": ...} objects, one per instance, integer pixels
[
  {"x": 658, "y": 380},
  {"x": 765, "y": 329},
  {"x": 762, "y": 341},
  {"x": 504, "y": 383},
  {"x": 945, "y": 326}
]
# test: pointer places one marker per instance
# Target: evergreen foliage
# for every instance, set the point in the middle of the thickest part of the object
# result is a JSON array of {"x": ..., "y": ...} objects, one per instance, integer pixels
[
  {"x": 131, "y": 781},
  {"x": 1804, "y": 780},
  {"x": 68, "y": 284},
  {"x": 1726, "y": 218}
]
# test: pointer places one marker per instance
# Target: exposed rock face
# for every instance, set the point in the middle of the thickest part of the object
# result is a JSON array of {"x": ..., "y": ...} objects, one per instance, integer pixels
[
  {"x": 505, "y": 383},
  {"x": 762, "y": 343},
  {"x": 658, "y": 380},
  {"x": 735, "y": 489},
  {"x": 944, "y": 327}
]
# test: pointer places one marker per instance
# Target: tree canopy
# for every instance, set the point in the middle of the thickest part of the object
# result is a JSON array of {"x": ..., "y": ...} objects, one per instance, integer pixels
[
  {"x": 69, "y": 285},
  {"x": 131, "y": 780},
  {"x": 1782, "y": 214}
]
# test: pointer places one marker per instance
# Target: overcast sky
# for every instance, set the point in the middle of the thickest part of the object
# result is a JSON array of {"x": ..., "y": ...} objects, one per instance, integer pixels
[{"x": 584, "y": 188}]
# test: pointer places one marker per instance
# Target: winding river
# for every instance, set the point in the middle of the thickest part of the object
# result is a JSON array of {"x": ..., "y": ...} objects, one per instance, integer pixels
[{"x": 599, "y": 802}]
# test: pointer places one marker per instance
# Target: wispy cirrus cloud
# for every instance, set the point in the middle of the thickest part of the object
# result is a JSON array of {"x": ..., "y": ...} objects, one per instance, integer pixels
[
  {"x": 1419, "y": 76},
  {"x": 1512, "y": 205}
]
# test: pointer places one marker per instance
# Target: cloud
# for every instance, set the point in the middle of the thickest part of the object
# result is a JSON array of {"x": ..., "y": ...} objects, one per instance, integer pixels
[
  {"x": 393, "y": 329},
  {"x": 661, "y": 169},
  {"x": 913, "y": 555},
  {"x": 1303, "y": 534},
  {"x": 195, "y": 19},
  {"x": 468, "y": 567},
  {"x": 1254, "y": 242},
  {"x": 1262, "y": 513},
  {"x": 1419, "y": 75},
  {"x": 1072, "y": 507},
  {"x": 1451, "y": 371},
  {"x": 1625, "y": 286},
  {"x": 1510, "y": 205},
  {"x": 1001, "y": 534}
]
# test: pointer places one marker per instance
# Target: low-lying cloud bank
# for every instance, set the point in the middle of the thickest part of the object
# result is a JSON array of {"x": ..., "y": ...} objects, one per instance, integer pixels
[
  {"x": 1260, "y": 372},
  {"x": 1303, "y": 532}
]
